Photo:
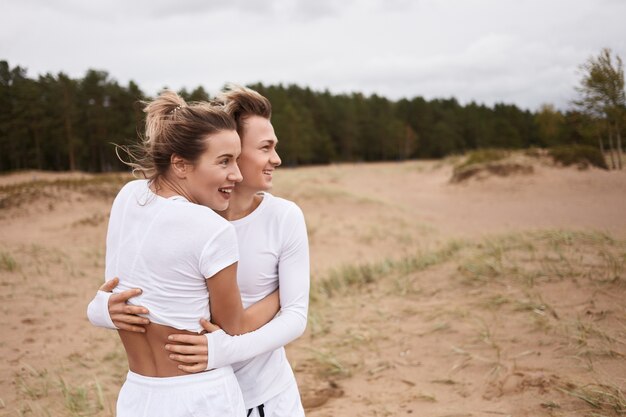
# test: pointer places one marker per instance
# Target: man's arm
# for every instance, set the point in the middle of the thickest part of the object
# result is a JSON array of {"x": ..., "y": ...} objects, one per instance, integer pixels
[{"x": 111, "y": 311}]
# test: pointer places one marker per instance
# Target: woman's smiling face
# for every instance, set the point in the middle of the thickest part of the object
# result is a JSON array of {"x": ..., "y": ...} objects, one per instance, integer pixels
[
  {"x": 258, "y": 157},
  {"x": 214, "y": 175}
]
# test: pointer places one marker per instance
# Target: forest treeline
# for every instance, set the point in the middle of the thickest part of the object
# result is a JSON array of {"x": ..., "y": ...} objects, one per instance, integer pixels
[{"x": 54, "y": 122}]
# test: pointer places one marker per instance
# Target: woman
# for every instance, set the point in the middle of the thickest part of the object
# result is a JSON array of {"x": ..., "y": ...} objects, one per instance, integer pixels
[
  {"x": 164, "y": 237},
  {"x": 274, "y": 251}
]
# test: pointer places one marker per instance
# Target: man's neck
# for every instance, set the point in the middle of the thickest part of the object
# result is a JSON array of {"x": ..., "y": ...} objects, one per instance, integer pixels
[{"x": 242, "y": 203}]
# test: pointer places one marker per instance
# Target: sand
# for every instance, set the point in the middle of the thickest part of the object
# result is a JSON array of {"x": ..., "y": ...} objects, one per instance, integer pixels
[{"x": 500, "y": 296}]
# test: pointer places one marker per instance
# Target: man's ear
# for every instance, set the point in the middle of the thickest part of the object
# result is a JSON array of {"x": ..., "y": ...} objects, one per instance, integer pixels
[{"x": 180, "y": 167}]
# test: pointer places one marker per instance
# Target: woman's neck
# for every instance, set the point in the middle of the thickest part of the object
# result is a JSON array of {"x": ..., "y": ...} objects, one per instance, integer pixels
[
  {"x": 242, "y": 203},
  {"x": 167, "y": 187}
]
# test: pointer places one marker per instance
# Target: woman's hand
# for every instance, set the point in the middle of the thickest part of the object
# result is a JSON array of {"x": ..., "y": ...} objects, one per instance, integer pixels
[
  {"x": 124, "y": 316},
  {"x": 193, "y": 353}
]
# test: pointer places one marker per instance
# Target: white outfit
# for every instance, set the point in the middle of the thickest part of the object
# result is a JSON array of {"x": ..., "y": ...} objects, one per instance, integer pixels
[
  {"x": 285, "y": 404},
  {"x": 168, "y": 248},
  {"x": 274, "y": 252},
  {"x": 207, "y": 394}
]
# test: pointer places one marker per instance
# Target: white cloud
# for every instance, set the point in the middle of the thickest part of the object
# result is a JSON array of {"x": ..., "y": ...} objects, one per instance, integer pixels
[{"x": 523, "y": 52}]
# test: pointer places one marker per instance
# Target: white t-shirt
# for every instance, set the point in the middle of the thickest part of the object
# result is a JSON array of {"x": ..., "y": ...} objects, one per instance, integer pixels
[
  {"x": 167, "y": 247},
  {"x": 274, "y": 252}
]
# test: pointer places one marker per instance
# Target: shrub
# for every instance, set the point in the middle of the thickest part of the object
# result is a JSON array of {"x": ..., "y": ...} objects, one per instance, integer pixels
[
  {"x": 483, "y": 156},
  {"x": 581, "y": 155},
  {"x": 484, "y": 162},
  {"x": 501, "y": 169}
]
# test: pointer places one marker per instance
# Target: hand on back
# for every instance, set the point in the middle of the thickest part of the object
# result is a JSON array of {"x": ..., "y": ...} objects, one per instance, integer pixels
[{"x": 125, "y": 316}]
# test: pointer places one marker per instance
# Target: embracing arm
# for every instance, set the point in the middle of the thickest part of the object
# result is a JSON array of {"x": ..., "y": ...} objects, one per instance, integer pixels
[
  {"x": 111, "y": 311},
  {"x": 293, "y": 273},
  {"x": 227, "y": 310}
]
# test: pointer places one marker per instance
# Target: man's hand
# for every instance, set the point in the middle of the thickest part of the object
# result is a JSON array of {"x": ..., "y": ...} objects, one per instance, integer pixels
[
  {"x": 193, "y": 353},
  {"x": 125, "y": 316}
]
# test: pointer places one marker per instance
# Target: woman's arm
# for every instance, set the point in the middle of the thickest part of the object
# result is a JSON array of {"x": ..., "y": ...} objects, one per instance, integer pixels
[
  {"x": 218, "y": 263},
  {"x": 227, "y": 310},
  {"x": 111, "y": 311},
  {"x": 293, "y": 275}
]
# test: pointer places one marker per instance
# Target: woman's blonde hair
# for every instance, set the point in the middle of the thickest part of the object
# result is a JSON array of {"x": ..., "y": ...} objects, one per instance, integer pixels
[
  {"x": 242, "y": 102},
  {"x": 174, "y": 127}
]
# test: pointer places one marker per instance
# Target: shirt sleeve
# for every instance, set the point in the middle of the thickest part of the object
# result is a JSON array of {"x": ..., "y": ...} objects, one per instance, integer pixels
[
  {"x": 219, "y": 252},
  {"x": 290, "y": 323},
  {"x": 98, "y": 311}
]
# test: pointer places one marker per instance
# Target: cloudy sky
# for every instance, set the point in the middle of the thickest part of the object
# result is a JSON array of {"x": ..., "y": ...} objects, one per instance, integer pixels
[{"x": 516, "y": 51}]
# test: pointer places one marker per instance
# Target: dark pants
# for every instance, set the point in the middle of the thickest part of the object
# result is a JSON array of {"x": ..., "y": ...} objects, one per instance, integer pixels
[{"x": 261, "y": 411}]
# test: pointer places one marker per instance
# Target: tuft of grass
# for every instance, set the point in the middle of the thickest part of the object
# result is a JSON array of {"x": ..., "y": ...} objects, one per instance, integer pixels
[
  {"x": 404, "y": 285},
  {"x": 444, "y": 381},
  {"x": 480, "y": 270},
  {"x": 100, "y": 396},
  {"x": 550, "y": 405},
  {"x": 614, "y": 266},
  {"x": 483, "y": 156},
  {"x": 425, "y": 397},
  {"x": 350, "y": 277},
  {"x": 93, "y": 220},
  {"x": 437, "y": 327},
  {"x": 328, "y": 364},
  {"x": 491, "y": 161},
  {"x": 37, "y": 410},
  {"x": 599, "y": 396},
  {"x": 75, "y": 398},
  {"x": 37, "y": 388},
  {"x": 564, "y": 255},
  {"x": 494, "y": 302},
  {"x": 592, "y": 340},
  {"x": 33, "y": 383},
  {"x": 318, "y": 324},
  {"x": 82, "y": 400},
  {"x": 7, "y": 262}
]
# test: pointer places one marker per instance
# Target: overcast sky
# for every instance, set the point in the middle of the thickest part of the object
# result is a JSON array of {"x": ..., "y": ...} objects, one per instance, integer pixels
[{"x": 524, "y": 52}]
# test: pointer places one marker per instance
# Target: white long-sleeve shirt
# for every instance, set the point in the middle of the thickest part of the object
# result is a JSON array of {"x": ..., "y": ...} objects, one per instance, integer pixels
[{"x": 274, "y": 252}]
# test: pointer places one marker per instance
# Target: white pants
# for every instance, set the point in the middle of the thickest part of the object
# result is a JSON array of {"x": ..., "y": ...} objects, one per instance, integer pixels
[
  {"x": 285, "y": 404},
  {"x": 207, "y": 394}
]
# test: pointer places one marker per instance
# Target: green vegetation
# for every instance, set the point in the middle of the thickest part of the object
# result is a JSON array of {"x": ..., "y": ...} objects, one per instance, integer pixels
[
  {"x": 348, "y": 277},
  {"x": 483, "y": 156},
  {"x": 598, "y": 396},
  {"x": 602, "y": 99},
  {"x": 38, "y": 388},
  {"x": 98, "y": 186},
  {"x": 481, "y": 297},
  {"x": 492, "y": 161},
  {"x": 7, "y": 263},
  {"x": 581, "y": 155},
  {"x": 54, "y": 122}
]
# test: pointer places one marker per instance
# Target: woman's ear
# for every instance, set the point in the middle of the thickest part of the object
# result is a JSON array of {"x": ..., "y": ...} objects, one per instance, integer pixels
[{"x": 179, "y": 166}]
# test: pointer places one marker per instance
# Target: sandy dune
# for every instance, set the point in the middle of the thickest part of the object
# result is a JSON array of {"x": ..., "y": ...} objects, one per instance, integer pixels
[{"x": 501, "y": 296}]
